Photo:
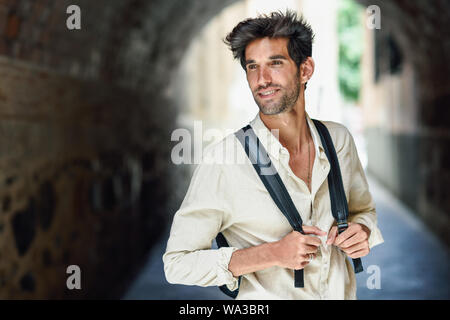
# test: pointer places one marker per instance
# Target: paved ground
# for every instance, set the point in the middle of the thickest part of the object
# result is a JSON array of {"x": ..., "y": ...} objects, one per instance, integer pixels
[{"x": 412, "y": 263}]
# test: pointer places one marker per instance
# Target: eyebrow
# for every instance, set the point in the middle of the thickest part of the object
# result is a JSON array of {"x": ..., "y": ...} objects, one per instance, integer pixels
[
  {"x": 278, "y": 56},
  {"x": 275, "y": 57},
  {"x": 249, "y": 61}
]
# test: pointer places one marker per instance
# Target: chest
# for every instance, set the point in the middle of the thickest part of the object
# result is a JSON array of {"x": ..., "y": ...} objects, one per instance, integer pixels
[{"x": 302, "y": 166}]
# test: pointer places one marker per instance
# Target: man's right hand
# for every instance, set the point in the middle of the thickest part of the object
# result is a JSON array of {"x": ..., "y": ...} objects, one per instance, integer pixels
[{"x": 294, "y": 249}]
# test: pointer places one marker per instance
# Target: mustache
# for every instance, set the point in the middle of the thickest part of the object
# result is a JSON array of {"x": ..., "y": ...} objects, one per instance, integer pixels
[{"x": 270, "y": 85}]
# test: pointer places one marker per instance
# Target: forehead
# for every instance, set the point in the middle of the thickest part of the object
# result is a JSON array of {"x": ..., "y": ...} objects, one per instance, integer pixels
[{"x": 265, "y": 47}]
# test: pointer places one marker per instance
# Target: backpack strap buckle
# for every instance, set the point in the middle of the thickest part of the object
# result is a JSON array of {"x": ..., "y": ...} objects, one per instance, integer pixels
[{"x": 342, "y": 226}]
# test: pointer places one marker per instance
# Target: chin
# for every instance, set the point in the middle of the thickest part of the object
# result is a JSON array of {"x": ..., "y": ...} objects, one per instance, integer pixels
[{"x": 271, "y": 110}]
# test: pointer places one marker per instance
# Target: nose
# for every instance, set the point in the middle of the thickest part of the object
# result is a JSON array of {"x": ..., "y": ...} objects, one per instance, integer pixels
[{"x": 264, "y": 77}]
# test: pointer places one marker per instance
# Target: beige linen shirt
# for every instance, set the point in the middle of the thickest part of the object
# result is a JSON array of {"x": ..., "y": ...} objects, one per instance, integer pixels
[{"x": 229, "y": 197}]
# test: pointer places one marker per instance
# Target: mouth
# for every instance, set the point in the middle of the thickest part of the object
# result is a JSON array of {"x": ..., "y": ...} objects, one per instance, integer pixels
[{"x": 268, "y": 93}]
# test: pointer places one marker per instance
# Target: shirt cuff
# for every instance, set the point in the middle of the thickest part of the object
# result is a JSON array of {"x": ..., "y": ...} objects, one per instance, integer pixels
[
  {"x": 223, "y": 274},
  {"x": 375, "y": 237}
]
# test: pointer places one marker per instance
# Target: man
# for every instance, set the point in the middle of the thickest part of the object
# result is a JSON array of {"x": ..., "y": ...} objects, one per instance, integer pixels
[{"x": 275, "y": 52}]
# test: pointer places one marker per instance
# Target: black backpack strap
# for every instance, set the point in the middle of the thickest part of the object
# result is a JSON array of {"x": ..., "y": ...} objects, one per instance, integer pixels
[
  {"x": 339, "y": 205},
  {"x": 272, "y": 181},
  {"x": 269, "y": 176},
  {"x": 222, "y": 242}
]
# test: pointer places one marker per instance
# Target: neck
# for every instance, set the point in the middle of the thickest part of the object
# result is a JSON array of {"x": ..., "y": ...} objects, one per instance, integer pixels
[{"x": 293, "y": 129}]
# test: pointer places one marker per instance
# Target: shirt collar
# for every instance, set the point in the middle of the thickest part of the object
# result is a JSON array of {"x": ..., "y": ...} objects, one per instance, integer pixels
[{"x": 273, "y": 145}]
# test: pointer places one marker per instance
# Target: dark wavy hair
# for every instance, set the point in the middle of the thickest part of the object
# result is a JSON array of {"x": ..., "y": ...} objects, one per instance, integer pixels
[{"x": 274, "y": 25}]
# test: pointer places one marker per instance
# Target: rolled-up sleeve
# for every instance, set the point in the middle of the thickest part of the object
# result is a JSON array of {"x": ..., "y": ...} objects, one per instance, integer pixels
[
  {"x": 360, "y": 203},
  {"x": 204, "y": 211}
]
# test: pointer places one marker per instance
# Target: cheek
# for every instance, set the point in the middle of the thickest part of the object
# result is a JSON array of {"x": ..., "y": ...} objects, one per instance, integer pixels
[
  {"x": 282, "y": 75},
  {"x": 251, "y": 80}
]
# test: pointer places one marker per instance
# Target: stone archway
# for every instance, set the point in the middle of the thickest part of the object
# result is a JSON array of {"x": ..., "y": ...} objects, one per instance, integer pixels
[
  {"x": 85, "y": 130},
  {"x": 85, "y": 146}
]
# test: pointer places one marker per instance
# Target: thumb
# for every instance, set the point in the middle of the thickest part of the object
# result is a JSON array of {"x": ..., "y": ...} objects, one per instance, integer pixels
[
  {"x": 332, "y": 235},
  {"x": 313, "y": 230}
]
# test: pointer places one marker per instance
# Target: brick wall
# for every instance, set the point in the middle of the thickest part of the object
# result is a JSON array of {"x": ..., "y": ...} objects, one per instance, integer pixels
[
  {"x": 83, "y": 182},
  {"x": 85, "y": 126}
]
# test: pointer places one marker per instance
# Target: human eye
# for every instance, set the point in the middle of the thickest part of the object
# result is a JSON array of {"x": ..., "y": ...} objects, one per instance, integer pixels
[
  {"x": 277, "y": 62},
  {"x": 251, "y": 66}
]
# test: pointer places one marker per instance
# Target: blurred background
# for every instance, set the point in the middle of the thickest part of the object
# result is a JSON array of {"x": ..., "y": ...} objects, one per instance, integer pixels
[{"x": 86, "y": 118}]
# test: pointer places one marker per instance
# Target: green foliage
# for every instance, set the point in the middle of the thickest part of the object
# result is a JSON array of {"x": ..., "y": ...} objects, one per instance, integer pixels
[{"x": 350, "y": 28}]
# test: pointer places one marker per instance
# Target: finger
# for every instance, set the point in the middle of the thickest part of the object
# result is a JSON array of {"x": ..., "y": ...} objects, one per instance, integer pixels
[
  {"x": 313, "y": 241},
  {"x": 309, "y": 249},
  {"x": 356, "y": 247},
  {"x": 306, "y": 257},
  {"x": 359, "y": 253},
  {"x": 345, "y": 235},
  {"x": 304, "y": 264},
  {"x": 356, "y": 238},
  {"x": 332, "y": 235},
  {"x": 313, "y": 230}
]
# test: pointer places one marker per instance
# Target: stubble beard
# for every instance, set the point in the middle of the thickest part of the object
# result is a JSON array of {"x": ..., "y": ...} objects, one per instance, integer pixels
[{"x": 285, "y": 103}]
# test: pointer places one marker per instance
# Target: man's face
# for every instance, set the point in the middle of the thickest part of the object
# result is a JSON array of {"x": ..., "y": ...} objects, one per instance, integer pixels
[{"x": 272, "y": 75}]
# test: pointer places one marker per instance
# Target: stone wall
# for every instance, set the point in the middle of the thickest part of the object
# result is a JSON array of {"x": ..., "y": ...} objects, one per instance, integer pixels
[
  {"x": 86, "y": 176},
  {"x": 406, "y": 97},
  {"x": 85, "y": 181},
  {"x": 85, "y": 127}
]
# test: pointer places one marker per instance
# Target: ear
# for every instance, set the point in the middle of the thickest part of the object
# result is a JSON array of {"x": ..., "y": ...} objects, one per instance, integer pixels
[{"x": 306, "y": 70}]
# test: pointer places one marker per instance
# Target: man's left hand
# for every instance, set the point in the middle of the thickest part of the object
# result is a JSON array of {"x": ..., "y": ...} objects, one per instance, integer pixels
[{"x": 354, "y": 241}]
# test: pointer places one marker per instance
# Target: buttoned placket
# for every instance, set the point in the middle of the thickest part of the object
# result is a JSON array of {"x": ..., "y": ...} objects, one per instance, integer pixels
[
  {"x": 322, "y": 254},
  {"x": 320, "y": 171},
  {"x": 323, "y": 167}
]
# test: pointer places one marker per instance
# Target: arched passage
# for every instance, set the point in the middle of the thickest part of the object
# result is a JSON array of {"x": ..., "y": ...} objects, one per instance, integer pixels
[
  {"x": 86, "y": 123},
  {"x": 85, "y": 139}
]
